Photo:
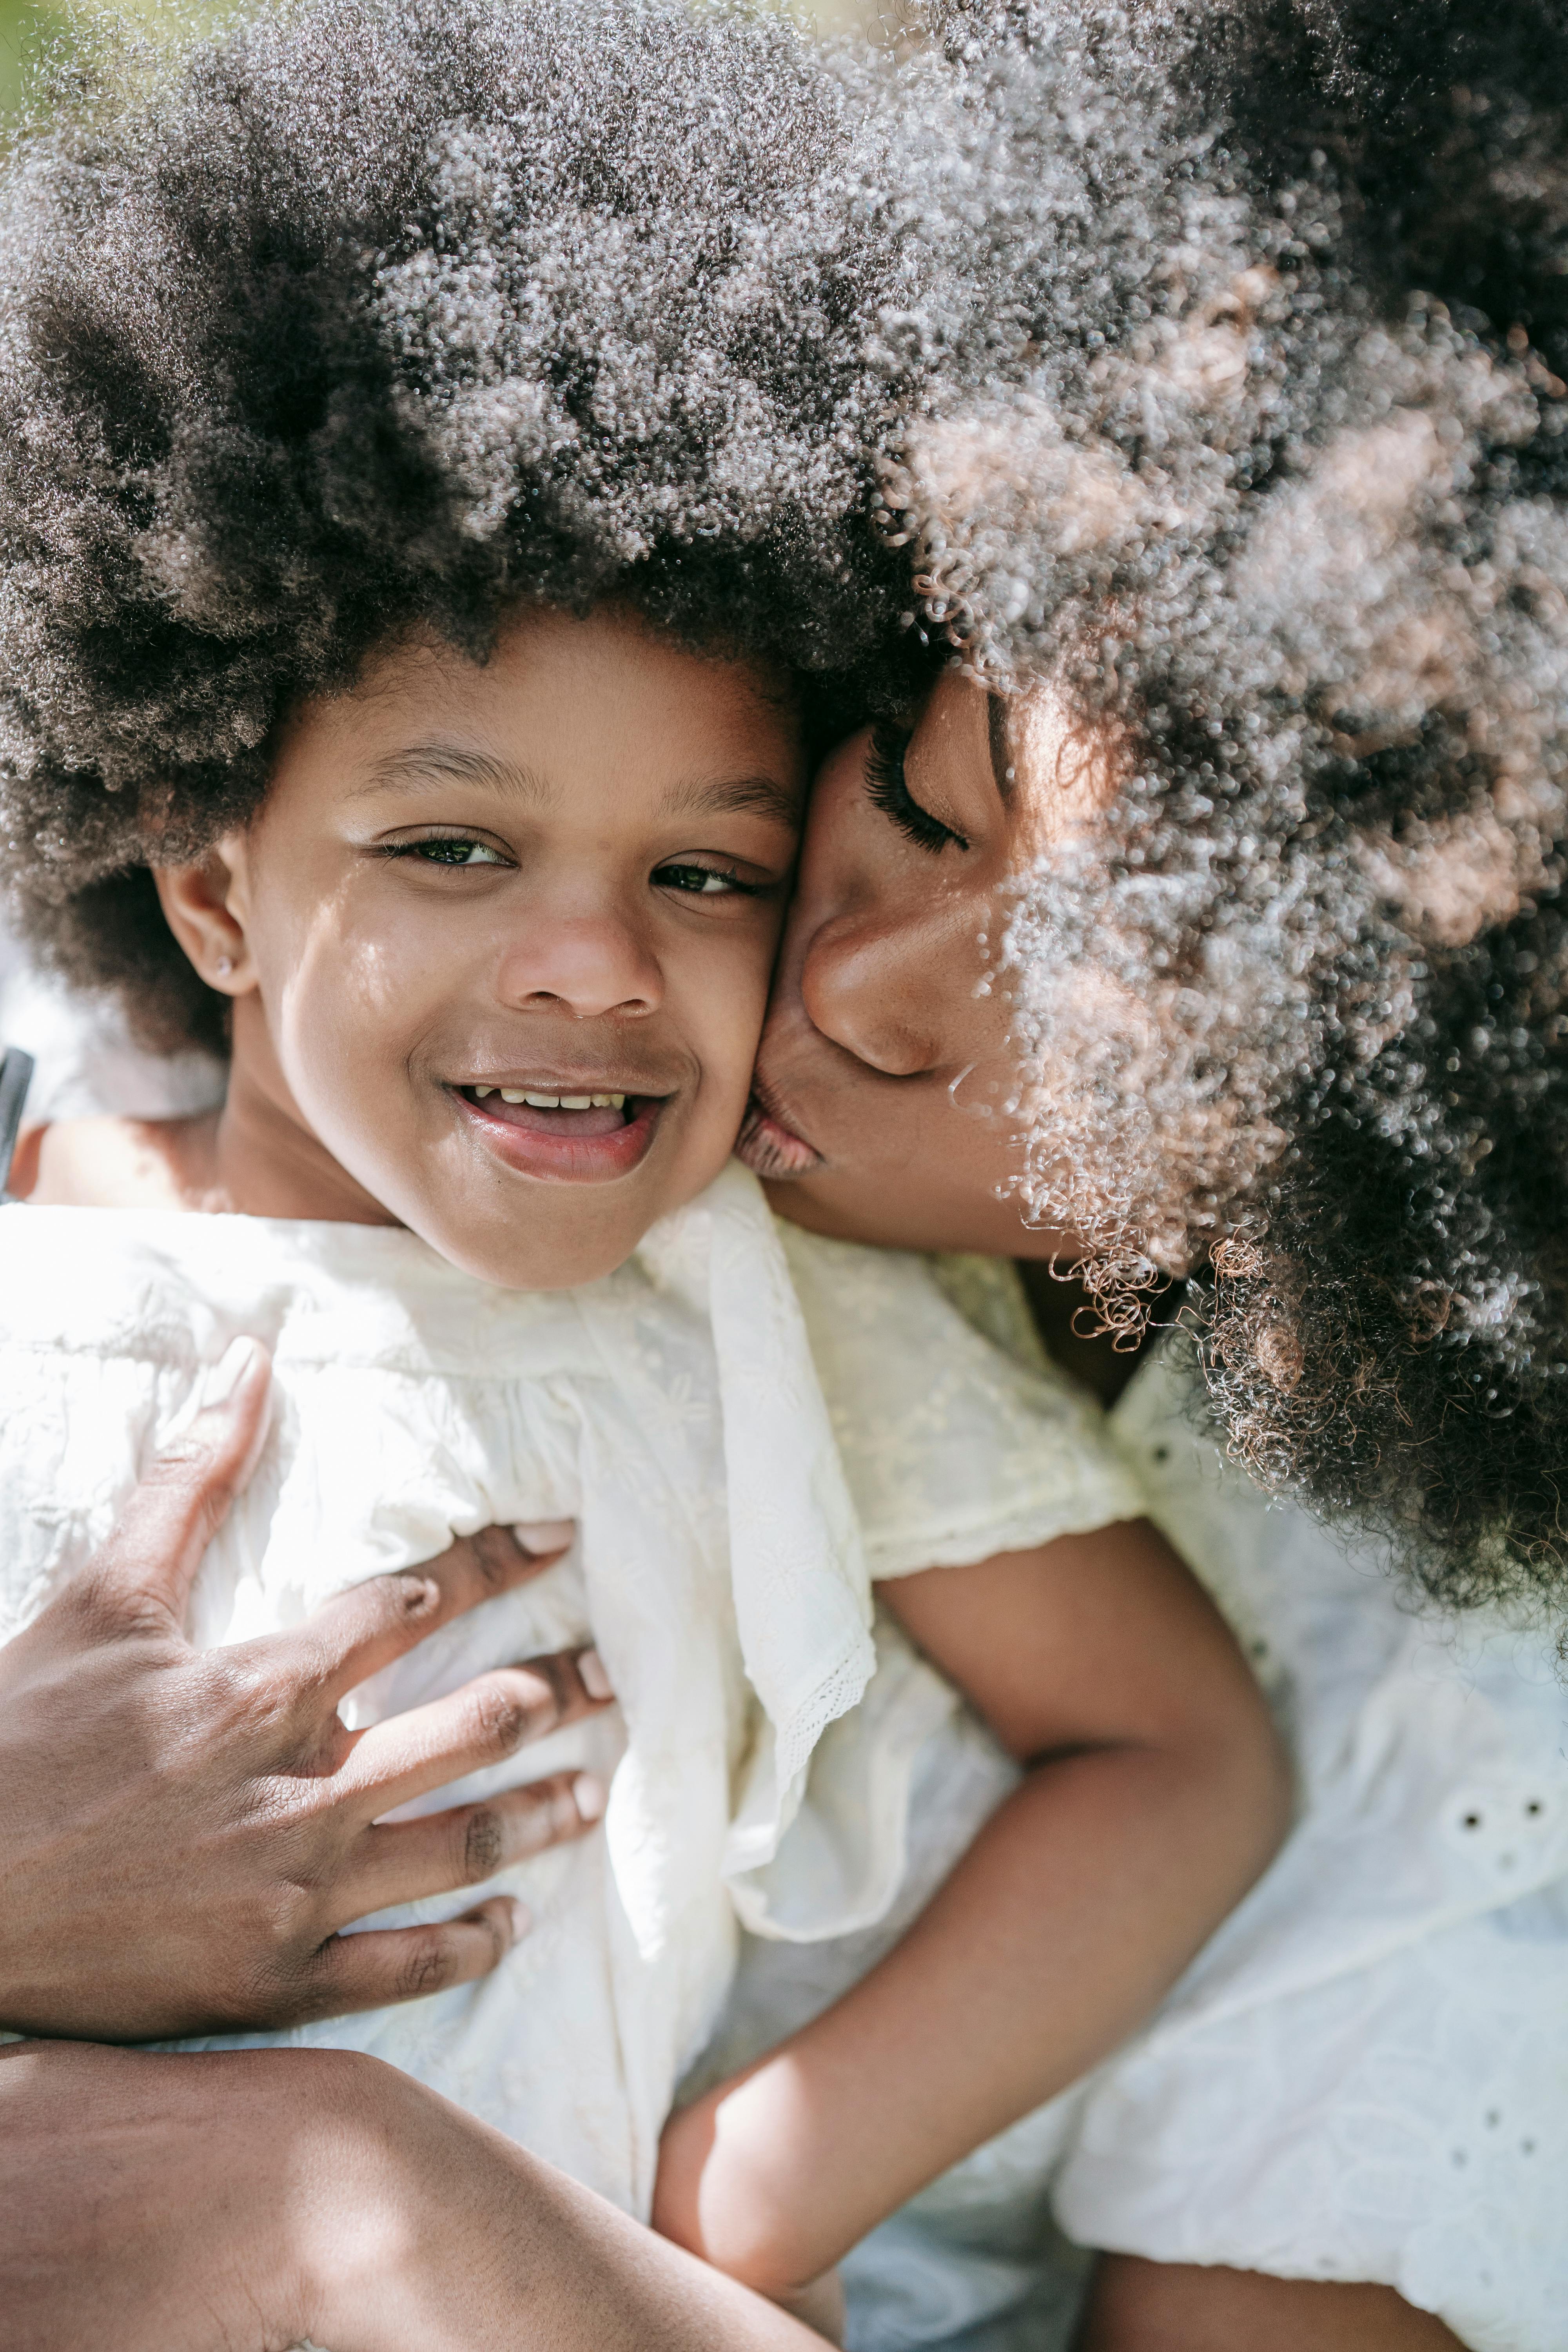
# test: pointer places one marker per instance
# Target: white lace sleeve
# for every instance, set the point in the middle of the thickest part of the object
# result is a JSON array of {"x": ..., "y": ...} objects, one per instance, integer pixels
[{"x": 954, "y": 1450}]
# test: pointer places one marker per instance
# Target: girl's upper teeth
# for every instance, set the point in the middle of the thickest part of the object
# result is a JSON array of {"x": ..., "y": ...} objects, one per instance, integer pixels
[{"x": 551, "y": 1102}]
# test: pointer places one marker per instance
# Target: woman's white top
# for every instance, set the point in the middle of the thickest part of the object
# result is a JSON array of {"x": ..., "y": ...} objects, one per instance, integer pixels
[
  {"x": 1364, "y": 2075},
  {"x": 673, "y": 1413}
]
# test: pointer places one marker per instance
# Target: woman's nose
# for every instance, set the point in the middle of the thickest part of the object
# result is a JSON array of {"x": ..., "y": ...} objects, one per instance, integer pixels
[
  {"x": 868, "y": 987},
  {"x": 586, "y": 965}
]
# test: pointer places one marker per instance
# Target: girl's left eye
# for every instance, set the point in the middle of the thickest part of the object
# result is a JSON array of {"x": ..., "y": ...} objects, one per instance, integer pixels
[
  {"x": 701, "y": 881},
  {"x": 449, "y": 850}
]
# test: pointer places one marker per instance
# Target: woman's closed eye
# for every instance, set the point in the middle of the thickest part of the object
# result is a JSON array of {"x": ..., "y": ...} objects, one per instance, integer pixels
[{"x": 889, "y": 790}]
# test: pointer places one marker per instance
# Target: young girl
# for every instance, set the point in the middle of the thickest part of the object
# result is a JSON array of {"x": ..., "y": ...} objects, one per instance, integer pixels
[{"x": 488, "y": 893}]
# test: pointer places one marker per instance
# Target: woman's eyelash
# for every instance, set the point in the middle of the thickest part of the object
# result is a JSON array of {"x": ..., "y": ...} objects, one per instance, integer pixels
[{"x": 889, "y": 792}]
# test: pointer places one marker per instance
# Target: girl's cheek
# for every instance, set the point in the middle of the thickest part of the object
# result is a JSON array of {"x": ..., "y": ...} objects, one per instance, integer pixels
[{"x": 730, "y": 1017}]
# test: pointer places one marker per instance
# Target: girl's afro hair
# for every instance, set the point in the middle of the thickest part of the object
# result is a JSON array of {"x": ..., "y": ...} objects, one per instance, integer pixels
[
  {"x": 384, "y": 314},
  {"x": 1254, "y": 431}
]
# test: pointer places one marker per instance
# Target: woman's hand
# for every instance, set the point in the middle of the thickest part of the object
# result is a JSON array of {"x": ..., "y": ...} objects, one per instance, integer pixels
[
  {"x": 184, "y": 1833},
  {"x": 172, "y": 2203}
]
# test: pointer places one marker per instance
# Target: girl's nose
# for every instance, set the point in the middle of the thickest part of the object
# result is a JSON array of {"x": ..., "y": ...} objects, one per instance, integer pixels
[
  {"x": 585, "y": 965},
  {"x": 869, "y": 987}
]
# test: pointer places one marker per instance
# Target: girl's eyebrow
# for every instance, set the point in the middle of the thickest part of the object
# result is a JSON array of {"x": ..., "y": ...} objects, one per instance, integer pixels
[
  {"x": 445, "y": 763},
  {"x": 745, "y": 796}
]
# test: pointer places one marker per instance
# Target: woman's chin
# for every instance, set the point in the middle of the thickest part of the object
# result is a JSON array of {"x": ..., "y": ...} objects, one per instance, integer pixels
[{"x": 877, "y": 1208}]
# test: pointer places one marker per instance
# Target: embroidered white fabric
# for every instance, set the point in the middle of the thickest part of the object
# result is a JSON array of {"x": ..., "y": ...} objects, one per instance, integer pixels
[
  {"x": 953, "y": 1449},
  {"x": 672, "y": 1412},
  {"x": 1366, "y": 2075}
]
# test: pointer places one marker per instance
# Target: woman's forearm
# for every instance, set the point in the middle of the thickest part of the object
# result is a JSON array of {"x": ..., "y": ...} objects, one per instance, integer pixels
[
  {"x": 492, "y": 2250},
  {"x": 164, "y": 2203}
]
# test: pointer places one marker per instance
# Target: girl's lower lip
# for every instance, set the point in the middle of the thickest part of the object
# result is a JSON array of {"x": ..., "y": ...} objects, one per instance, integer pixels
[
  {"x": 768, "y": 1149},
  {"x": 558, "y": 1154}
]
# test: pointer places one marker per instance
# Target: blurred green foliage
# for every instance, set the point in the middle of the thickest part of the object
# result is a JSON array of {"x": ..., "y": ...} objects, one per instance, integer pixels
[
  {"x": 27, "y": 34},
  {"x": 33, "y": 30}
]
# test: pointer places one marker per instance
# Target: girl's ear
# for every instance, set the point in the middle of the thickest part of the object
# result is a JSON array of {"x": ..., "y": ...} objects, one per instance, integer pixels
[{"x": 195, "y": 903}]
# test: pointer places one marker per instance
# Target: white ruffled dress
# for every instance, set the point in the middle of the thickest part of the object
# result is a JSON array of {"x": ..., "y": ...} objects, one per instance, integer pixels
[
  {"x": 674, "y": 1413},
  {"x": 1364, "y": 2075}
]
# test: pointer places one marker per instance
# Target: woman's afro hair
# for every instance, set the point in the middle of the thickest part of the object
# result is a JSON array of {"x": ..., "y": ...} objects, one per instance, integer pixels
[
  {"x": 383, "y": 314},
  {"x": 1253, "y": 434}
]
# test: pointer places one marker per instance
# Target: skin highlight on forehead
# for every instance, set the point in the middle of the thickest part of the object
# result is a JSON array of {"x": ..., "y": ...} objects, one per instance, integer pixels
[{"x": 1075, "y": 764}]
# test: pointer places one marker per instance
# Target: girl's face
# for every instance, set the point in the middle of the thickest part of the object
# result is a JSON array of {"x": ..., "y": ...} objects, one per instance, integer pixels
[
  {"x": 887, "y": 1101},
  {"x": 499, "y": 939}
]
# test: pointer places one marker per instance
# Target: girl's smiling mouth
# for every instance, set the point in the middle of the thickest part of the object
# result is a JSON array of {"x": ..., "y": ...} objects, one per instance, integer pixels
[{"x": 566, "y": 1133}]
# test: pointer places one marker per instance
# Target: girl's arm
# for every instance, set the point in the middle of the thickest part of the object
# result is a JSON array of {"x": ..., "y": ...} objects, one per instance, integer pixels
[
  {"x": 254, "y": 2199},
  {"x": 1156, "y": 1793}
]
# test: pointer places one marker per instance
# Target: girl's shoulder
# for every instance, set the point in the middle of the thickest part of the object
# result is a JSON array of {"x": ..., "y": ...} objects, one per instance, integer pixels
[
  {"x": 161, "y": 1287},
  {"x": 108, "y": 1163},
  {"x": 896, "y": 1322},
  {"x": 959, "y": 1438}
]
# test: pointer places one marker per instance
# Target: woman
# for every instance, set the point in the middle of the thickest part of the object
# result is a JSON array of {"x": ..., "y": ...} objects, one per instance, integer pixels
[
  {"x": 1288, "y": 981},
  {"x": 1423, "y": 1897},
  {"x": 1165, "y": 1109}
]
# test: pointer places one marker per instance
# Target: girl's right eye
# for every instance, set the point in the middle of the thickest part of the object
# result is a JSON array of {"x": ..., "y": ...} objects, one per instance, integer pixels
[
  {"x": 888, "y": 791},
  {"x": 447, "y": 849}
]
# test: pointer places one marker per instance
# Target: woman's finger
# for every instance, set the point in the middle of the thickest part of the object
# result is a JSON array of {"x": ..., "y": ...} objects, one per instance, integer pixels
[
  {"x": 402, "y": 1861},
  {"x": 360, "y": 1632},
  {"x": 386, "y": 1965},
  {"x": 149, "y": 1559},
  {"x": 482, "y": 1723}
]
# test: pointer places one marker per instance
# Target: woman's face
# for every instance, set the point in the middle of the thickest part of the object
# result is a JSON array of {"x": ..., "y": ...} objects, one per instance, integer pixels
[{"x": 888, "y": 1104}]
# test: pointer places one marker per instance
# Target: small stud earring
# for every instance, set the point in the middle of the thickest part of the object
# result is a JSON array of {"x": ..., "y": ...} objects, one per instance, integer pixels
[{"x": 225, "y": 966}]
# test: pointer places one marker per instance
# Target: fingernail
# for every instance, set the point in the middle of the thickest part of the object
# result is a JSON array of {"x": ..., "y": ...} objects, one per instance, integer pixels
[
  {"x": 521, "y": 1919},
  {"x": 220, "y": 1382},
  {"x": 595, "y": 1680},
  {"x": 588, "y": 1796},
  {"x": 545, "y": 1534}
]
